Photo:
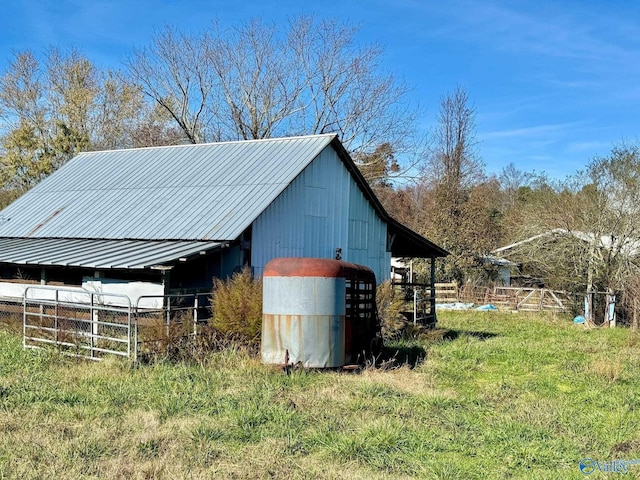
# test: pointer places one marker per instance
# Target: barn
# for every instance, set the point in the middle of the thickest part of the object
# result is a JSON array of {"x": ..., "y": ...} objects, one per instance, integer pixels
[{"x": 166, "y": 220}]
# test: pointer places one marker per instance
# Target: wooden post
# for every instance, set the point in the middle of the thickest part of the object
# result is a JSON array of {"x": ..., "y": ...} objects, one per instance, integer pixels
[
  {"x": 588, "y": 308},
  {"x": 611, "y": 309},
  {"x": 168, "y": 317},
  {"x": 43, "y": 281},
  {"x": 415, "y": 306},
  {"x": 56, "y": 322}
]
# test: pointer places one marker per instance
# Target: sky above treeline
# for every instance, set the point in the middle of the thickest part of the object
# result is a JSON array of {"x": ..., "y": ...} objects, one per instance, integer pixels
[{"x": 554, "y": 84}]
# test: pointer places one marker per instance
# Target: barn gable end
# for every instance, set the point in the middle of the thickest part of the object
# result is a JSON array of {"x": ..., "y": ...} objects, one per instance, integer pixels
[{"x": 321, "y": 211}]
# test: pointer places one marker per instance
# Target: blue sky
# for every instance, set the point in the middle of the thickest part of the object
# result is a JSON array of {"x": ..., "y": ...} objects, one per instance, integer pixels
[{"x": 554, "y": 83}]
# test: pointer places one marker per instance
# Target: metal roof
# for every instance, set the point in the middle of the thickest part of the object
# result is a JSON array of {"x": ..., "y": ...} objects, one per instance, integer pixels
[
  {"x": 102, "y": 254},
  {"x": 173, "y": 197},
  {"x": 407, "y": 243},
  {"x": 188, "y": 192}
]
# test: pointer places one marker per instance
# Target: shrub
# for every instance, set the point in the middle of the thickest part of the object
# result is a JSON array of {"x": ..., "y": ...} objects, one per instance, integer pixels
[
  {"x": 390, "y": 303},
  {"x": 237, "y": 306}
]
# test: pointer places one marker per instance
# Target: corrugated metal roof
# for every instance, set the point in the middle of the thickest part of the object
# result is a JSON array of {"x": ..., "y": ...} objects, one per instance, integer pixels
[
  {"x": 188, "y": 192},
  {"x": 102, "y": 254}
]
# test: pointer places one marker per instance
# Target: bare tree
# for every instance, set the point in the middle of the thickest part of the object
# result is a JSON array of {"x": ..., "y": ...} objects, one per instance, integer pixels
[
  {"x": 73, "y": 86},
  {"x": 511, "y": 180},
  {"x": 451, "y": 174},
  {"x": 454, "y": 160},
  {"x": 22, "y": 92},
  {"x": 255, "y": 81},
  {"x": 176, "y": 73},
  {"x": 345, "y": 90},
  {"x": 155, "y": 128},
  {"x": 253, "y": 78},
  {"x": 117, "y": 111}
]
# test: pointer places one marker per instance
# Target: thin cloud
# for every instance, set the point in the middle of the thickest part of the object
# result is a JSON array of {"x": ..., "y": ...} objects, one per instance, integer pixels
[
  {"x": 530, "y": 132},
  {"x": 564, "y": 35}
]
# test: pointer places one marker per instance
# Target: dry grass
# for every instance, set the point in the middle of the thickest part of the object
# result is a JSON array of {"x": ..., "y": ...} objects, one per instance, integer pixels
[
  {"x": 498, "y": 396},
  {"x": 607, "y": 369}
]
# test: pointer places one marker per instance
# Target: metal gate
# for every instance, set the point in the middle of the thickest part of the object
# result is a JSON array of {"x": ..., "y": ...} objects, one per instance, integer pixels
[
  {"x": 80, "y": 323},
  {"x": 93, "y": 325}
]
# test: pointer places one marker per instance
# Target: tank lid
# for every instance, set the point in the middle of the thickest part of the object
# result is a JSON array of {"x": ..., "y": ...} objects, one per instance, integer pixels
[{"x": 316, "y": 267}]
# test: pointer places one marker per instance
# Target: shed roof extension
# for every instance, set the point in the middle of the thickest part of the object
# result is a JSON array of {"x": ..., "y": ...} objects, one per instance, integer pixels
[{"x": 99, "y": 254}]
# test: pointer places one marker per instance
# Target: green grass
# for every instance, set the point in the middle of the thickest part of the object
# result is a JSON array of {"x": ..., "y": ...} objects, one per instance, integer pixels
[{"x": 497, "y": 396}]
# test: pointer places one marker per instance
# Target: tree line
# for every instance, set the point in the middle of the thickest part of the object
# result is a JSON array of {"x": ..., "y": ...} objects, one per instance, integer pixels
[
  {"x": 254, "y": 80},
  {"x": 247, "y": 82}
]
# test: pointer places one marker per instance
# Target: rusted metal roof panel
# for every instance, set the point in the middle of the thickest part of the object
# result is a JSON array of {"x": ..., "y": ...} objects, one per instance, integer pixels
[
  {"x": 188, "y": 192},
  {"x": 99, "y": 254}
]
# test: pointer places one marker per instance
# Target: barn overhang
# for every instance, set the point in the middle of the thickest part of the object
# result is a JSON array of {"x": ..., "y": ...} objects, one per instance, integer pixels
[
  {"x": 404, "y": 242},
  {"x": 100, "y": 253}
]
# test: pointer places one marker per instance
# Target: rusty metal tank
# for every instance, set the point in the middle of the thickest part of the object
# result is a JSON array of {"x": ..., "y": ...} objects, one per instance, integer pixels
[{"x": 319, "y": 313}]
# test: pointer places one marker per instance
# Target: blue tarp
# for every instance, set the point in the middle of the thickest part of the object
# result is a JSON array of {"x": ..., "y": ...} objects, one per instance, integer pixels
[
  {"x": 464, "y": 306},
  {"x": 487, "y": 307}
]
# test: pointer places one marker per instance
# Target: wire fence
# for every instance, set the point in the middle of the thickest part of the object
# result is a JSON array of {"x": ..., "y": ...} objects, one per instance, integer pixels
[{"x": 163, "y": 321}]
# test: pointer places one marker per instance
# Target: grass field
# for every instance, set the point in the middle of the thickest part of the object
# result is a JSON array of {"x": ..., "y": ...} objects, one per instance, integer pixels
[{"x": 498, "y": 396}]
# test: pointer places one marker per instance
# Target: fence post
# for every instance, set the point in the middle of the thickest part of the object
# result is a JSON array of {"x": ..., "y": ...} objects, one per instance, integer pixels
[
  {"x": 195, "y": 315},
  {"x": 133, "y": 333},
  {"x": 56, "y": 321},
  {"x": 611, "y": 310},
  {"x": 432, "y": 300},
  {"x": 168, "y": 315},
  {"x": 93, "y": 326},
  {"x": 588, "y": 308},
  {"x": 24, "y": 318}
]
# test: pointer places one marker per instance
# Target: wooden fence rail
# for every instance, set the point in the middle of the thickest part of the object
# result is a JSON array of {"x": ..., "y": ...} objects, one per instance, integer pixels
[
  {"x": 528, "y": 299},
  {"x": 522, "y": 299},
  {"x": 447, "y": 292}
]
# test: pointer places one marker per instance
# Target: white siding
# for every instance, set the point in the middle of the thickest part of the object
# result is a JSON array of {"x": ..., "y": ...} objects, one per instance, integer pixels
[{"x": 321, "y": 210}]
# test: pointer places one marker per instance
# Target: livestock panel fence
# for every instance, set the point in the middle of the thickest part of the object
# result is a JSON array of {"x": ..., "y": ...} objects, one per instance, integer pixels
[
  {"x": 525, "y": 299},
  {"x": 93, "y": 325},
  {"x": 521, "y": 299}
]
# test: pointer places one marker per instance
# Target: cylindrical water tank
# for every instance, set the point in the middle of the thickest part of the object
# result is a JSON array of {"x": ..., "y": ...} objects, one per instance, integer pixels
[{"x": 304, "y": 308}]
